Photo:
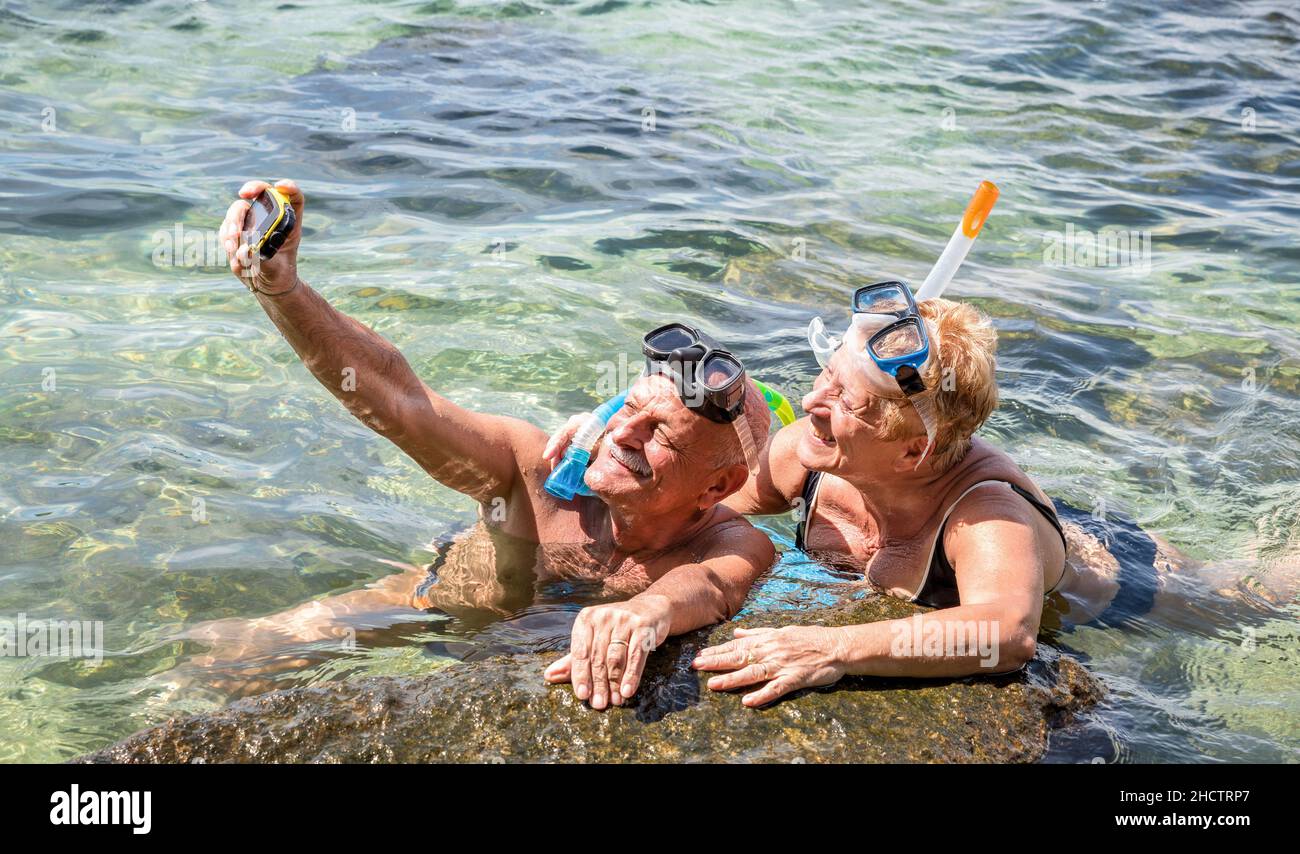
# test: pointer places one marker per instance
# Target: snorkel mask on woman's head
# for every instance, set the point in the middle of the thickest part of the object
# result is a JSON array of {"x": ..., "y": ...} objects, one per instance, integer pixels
[
  {"x": 890, "y": 344},
  {"x": 899, "y": 346}
]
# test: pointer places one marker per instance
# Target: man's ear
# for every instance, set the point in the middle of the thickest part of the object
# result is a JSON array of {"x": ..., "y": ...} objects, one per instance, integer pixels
[
  {"x": 725, "y": 482},
  {"x": 913, "y": 452}
]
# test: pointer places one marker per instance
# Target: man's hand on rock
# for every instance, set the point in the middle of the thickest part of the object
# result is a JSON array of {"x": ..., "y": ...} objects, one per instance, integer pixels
[{"x": 609, "y": 650}]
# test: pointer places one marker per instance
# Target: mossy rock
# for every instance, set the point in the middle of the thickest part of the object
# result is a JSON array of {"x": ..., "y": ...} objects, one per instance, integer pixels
[{"x": 500, "y": 710}]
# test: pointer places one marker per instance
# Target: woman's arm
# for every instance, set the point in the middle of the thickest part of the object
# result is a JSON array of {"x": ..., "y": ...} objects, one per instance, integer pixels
[
  {"x": 780, "y": 476},
  {"x": 993, "y": 545}
]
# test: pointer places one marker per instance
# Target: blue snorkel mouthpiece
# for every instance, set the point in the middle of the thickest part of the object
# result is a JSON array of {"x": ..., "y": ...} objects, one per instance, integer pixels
[{"x": 567, "y": 479}]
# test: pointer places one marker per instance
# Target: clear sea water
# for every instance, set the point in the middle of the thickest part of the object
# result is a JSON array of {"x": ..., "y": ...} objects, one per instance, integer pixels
[{"x": 514, "y": 192}]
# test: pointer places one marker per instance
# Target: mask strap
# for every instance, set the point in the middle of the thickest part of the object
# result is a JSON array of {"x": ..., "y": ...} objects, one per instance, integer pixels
[
  {"x": 924, "y": 405},
  {"x": 823, "y": 345},
  {"x": 923, "y": 402},
  {"x": 741, "y": 425}
]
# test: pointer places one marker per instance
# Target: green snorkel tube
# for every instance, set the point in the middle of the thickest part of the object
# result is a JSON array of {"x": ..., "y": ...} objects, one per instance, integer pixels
[
  {"x": 777, "y": 403},
  {"x": 568, "y": 478}
]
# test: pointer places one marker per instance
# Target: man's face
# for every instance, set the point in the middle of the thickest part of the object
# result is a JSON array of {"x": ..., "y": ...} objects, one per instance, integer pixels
[{"x": 656, "y": 451}]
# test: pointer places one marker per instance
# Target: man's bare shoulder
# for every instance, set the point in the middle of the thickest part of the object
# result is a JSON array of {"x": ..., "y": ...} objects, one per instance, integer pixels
[{"x": 732, "y": 535}]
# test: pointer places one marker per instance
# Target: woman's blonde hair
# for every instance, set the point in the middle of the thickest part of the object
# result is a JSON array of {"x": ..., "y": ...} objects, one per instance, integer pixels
[{"x": 960, "y": 377}]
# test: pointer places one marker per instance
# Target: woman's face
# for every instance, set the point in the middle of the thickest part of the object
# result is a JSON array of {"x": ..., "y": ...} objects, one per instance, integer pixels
[{"x": 844, "y": 421}]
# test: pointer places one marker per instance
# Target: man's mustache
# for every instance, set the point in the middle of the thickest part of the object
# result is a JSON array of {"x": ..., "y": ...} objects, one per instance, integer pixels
[{"x": 632, "y": 459}]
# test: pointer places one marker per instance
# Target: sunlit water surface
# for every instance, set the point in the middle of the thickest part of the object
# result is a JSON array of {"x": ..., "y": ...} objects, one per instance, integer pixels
[{"x": 489, "y": 188}]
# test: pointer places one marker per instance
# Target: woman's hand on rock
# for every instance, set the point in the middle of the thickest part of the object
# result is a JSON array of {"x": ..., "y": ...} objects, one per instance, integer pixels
[{"x": 786, "y": 659}]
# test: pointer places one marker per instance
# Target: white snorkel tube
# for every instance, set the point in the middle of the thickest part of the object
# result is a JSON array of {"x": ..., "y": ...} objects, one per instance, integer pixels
[
  {"x": 959, "y": 245},
  {"x": 986, "y": 195}
]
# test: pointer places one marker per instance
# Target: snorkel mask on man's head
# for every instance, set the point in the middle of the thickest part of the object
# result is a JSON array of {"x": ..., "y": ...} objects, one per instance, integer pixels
[
  {"x": 889, "y": 343},
  {"x": 710, "y": 380},
  {"x": 716, "y": 390}
]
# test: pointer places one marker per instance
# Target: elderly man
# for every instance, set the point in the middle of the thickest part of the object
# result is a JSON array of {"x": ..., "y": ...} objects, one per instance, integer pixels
[{"x": 656, "y": 522}]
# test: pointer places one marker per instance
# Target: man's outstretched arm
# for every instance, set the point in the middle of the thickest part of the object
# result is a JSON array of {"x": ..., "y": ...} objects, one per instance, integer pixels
[{"x": 470, "y": 452}]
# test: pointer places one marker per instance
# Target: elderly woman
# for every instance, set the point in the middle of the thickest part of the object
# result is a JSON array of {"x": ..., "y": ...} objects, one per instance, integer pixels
[{"x": 888, "y": 480}]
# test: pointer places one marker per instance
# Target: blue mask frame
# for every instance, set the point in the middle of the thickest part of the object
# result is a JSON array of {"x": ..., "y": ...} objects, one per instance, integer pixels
[{"x": 905, "y": 369}]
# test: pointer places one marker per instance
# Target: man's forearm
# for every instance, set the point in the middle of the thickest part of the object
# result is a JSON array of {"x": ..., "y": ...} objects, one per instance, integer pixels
[
  {"x": 475, "y": 454},
  {"x": 470, "y": 453},
  {"x": 691, "y": 597},
  {"x": 359, "y": 367}
]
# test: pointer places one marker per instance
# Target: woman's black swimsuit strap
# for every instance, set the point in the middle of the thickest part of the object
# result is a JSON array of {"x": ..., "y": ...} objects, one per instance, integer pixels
[
  {"x": 940, "y": 587},
  {"x": 809, "y": 491}
]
